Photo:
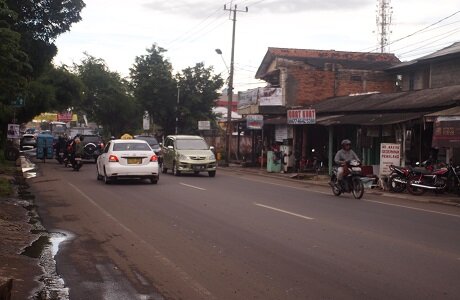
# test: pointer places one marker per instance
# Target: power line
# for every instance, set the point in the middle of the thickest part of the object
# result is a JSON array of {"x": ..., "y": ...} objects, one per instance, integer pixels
[{"x": 415, "y": 32}]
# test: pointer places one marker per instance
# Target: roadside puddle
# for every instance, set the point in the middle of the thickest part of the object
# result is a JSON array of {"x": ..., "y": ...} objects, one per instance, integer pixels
[{"x": 45, "y": 248}]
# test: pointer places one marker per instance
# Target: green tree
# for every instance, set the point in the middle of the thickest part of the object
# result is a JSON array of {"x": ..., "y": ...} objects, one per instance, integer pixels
[
  {"x": 106, "y": 99},
  {"x": 198, "y": 89},
  {"x": 14, "y": 66},
  {"x": 155, "y": 88}
]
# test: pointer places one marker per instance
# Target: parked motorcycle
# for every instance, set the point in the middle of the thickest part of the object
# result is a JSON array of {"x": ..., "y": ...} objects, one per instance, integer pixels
[
  {"x": 399, "y": 176},
  {"x": 424, "y": 180},
  {"x": 351, "y": 182},
  {"x": 440, "y": 180}
]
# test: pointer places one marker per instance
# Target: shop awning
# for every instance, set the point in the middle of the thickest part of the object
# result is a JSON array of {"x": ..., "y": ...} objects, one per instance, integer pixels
[
  {"x": 454, "y": 111},
  {"x": 368, "y": 119}
]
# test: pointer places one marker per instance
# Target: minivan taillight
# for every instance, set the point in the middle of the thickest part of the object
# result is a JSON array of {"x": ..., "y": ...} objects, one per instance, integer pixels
[{"x": 113, "y": 158}]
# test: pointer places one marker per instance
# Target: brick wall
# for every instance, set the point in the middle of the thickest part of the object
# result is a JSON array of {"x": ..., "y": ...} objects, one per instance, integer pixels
[{"x": 306, "y": 85}]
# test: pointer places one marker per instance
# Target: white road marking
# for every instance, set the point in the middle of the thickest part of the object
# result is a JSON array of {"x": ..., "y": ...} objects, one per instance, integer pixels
[
  {"x": 192, "y": 186},
  {"x": 413, "y": 208},
  {"x": 156, "y": 253},
  {"x": 284, "y": 211}
]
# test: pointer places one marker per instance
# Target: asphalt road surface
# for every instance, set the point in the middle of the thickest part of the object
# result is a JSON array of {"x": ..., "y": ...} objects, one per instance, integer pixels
[{"x": 239, "y": 236}]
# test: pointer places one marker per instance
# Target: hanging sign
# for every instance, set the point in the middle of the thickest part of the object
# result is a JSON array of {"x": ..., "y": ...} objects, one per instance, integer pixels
[
  {"x": 255, "y": 122},
  {"x": 301, "y": 116},
  {"x": 204, "y": 125}
]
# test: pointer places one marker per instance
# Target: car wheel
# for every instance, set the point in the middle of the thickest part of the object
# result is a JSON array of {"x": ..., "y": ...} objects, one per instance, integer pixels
[
  {"x": 212, "y": 173},
  {"x": 106, "y": 178},
  {"x": 154, "y": 180},
  {"x": 175, "y": 171}
]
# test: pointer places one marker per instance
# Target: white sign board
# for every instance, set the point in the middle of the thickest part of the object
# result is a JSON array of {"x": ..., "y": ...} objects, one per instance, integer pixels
[
  {"x": 255, "y": 122},
  {"x": 301, "y": 116},
  {"x": 204, "y": 125},
  {"x": 270, "y": 96},
  {"x": 13, "y": 131},
  {"x": 146, "y": 121},
  {"x": 281, "y": 133},
  {"x": 390, "y": 154}
]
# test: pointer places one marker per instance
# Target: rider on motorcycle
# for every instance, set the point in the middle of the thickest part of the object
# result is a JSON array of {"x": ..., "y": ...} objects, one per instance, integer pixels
[{"x": 343, "y": 156}]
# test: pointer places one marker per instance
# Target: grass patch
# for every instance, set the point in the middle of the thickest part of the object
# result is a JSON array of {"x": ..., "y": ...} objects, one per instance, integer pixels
[{"x": 6, "y": 189}]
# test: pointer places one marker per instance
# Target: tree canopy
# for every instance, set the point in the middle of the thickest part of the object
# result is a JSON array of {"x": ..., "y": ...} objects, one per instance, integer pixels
[
  {"x": 198, "y": 88},
  {"x": 106, "y": 99},
  {"x": 154, "y": 87}
]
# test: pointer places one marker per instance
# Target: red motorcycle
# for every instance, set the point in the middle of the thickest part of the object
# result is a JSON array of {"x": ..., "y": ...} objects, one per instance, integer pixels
[{"x": 436, "y": 180}]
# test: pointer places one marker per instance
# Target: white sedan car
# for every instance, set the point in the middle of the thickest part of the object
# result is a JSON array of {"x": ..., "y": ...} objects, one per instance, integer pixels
[{"x": 127, "y": 159}]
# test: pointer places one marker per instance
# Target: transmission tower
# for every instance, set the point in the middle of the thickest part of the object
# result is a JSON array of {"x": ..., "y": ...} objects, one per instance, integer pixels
[{"x": 384, "y": 13}]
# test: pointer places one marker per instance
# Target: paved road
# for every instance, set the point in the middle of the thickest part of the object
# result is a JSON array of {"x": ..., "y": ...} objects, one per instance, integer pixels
[{"x": 239, "y": 236}]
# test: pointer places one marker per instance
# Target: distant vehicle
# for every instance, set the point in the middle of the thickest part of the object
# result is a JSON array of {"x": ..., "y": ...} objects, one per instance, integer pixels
[
  {"x": 28, "y": 141},
  {"x": 153, "y": 142},
  {"x": 92, "y": 146},
  {"x": 127, "y": 159},
  {"x": 31, "y": 131},
  {"x": 58, "y": 128},
  {"x": 188, "y": 154}
]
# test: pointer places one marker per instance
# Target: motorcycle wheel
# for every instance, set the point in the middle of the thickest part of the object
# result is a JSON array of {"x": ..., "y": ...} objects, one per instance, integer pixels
[
  {"x": 335, "y": 189},
  {"x": 358, "y": 188},
  {"x": 413, "y": 189},
  {"x": 394, "y": 186}
]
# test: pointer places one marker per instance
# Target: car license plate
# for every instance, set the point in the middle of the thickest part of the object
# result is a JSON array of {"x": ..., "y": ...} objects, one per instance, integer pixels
[
  {"x": 134, "y": 161},
  {"x": 198, "y": 168}
]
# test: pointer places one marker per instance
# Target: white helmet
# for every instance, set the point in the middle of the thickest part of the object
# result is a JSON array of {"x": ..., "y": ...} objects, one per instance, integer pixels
[{"x": 346, "y": 142}]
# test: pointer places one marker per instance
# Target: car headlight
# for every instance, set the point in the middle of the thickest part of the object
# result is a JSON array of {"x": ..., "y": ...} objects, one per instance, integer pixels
[
  {"x": 212, "y": 157},
  {"x": 183, "y": 157}
]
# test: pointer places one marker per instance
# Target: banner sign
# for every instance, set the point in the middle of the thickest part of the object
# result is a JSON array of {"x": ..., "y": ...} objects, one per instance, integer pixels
[
  {"x": 255, "y": 122},
  {"x": 13, "y": 131},
  {"x": 301, "y": 116},
  {"x": 64, "y": 117},
  {"x": 247, "y": 98},
  {"x": 204, "y": 125},
  {"x": 390, "y": 154},
  {"x": 446, "y": 132},
  {"x": 270, "y": 96}
]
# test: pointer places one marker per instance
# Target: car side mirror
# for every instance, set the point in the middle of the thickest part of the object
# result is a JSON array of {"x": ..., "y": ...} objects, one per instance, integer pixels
[{"x": 171, "y": 147}]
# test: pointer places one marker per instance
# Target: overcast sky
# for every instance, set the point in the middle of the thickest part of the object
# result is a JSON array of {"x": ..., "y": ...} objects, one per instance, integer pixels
[{"x": 119, "y": 30}]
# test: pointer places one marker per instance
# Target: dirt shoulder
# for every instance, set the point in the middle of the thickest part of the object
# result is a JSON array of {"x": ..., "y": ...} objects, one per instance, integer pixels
[{"x": 16, "y": 233}]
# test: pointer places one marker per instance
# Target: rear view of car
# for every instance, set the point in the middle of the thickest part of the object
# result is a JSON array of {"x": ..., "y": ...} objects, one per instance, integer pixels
[
  {"x": 153, "y": 143},
  {"x": 92, "y": 146},
  {"x": 128, "y": 159},
  {"x": 28, "y": 141}
]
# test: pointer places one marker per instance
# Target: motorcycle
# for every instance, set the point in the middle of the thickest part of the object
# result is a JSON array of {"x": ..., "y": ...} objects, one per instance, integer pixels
[
  {"x": 440, "y": 180},
  {"x": 77, "y": 163},
  {"x": 397, "y": 181},
  {"x": 425, "y": 180},
  {"x": 351, "y": 182}
]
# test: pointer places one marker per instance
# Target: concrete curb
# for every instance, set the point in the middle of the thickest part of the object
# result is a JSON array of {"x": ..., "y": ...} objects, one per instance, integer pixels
[{"x": 404, "y": 196}]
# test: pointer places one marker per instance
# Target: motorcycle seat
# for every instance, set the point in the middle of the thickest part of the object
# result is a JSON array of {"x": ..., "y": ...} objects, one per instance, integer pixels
[{"x": 419, "y": 170}]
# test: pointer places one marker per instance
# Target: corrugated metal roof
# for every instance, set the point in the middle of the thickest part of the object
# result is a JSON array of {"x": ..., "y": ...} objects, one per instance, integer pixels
[
  {"x": 449, "y": 50},
  {"x": 353, "y": 60},
  {"x": 368, "y": 119},
  {"x": 426, "y": 99}
]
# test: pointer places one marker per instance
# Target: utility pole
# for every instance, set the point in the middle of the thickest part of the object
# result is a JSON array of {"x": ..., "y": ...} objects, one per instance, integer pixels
[
  {"x": 177, "y": 108},
  {"x": 384, "y": 14},
  {"x": 233, "y": 11}
]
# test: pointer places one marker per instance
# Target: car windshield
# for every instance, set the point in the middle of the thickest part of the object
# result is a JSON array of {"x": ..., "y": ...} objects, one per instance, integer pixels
[
  {"x": 150, "y": 140},
  {"x": 191, "y": 145},
  {"x": 131, "y": 147}
]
